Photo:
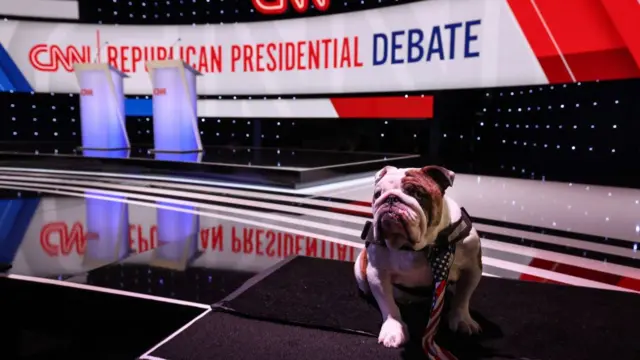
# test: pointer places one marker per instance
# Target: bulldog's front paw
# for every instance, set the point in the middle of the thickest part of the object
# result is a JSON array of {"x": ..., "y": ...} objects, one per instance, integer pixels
[
  {"x": 393, "y": 333},
  {"x": 461, "y": 321}
]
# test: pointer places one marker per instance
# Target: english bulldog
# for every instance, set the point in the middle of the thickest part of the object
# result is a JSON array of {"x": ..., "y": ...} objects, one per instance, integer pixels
[{"x": 410, "y": 210}]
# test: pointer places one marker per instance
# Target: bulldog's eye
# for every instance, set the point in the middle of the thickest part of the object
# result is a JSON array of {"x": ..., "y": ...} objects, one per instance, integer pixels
[
  {"x": 423, "y": 201},
  {"x": 419, "y": 195},
  {"x": 412, "y": 191},
  {"x": 377, "y": 194}
]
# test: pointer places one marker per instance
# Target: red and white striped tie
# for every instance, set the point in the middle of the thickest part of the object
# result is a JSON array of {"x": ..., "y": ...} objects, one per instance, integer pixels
[{"x": 440, "y": 265}]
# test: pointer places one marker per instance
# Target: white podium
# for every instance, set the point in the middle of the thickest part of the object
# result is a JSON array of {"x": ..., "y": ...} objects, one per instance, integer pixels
[
  {"x": 102, "y": 116},
  {"x": 175, "y": 117}
]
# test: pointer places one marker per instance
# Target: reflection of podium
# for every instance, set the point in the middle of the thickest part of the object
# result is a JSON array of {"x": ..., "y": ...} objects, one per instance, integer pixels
[
  {"x": 101, "y": 107},
  {"x": 107, "y": 226},
  {"x": 183, "y": 157},
  {"x": 178, "y": 231},
  {"x": 175, "y": 119},
  {"x": 111, "y": 154}
]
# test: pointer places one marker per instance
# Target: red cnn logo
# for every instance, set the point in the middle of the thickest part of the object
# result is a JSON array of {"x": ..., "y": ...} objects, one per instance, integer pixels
[
  {"x": 50, "y": 58},
  {"x": 86, "y": 92},
  {"x": 57, "y": 238},
  {"x": 160, "y": 91},
  {"x": 277, "y": 7}
]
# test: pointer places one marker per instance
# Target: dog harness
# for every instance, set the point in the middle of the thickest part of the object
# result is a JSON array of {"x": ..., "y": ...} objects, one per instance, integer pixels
[{"x": 441, "y": 256}]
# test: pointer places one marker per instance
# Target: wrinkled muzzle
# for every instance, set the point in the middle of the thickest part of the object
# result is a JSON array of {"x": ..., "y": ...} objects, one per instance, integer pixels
[{"x": 393, "y": 221}]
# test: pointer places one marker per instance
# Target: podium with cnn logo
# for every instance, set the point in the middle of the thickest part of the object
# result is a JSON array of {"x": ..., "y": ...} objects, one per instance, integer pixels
[
  {"x": 175, "y": 117},
  {"x": 102, "y": 115}
]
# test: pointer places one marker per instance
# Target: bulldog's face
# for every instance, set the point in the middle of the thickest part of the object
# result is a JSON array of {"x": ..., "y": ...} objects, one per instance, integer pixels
[{"x": 407, "y": 204}]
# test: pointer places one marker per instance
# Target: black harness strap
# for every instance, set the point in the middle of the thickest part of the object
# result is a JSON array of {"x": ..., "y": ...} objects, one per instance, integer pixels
[{"x": 455, "y": 232}]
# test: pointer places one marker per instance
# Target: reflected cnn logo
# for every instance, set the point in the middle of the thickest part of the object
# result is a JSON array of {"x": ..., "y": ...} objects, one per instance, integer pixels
[
  {"x": 277, "y": 7},
  {"x": 160, "y": 91},
  {"x": 60, "y": 238},
  {"x": 86, "y": 92}
]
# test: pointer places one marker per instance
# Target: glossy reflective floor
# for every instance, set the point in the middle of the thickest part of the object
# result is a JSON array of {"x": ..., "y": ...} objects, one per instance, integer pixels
[{"x": 197, "y": 241}]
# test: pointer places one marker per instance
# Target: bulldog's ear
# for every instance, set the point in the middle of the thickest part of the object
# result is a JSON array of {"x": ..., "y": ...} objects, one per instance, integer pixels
[
  {"x": 382, "y": 173},
  {"x": 443, "y": 177}
]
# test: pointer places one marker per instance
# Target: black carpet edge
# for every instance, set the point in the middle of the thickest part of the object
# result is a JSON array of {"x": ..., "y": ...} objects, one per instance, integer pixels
[
  {"x": 254, "y": 280},
  {"x": 220, "y": 307},
  {"x": 163, "y": 341}
]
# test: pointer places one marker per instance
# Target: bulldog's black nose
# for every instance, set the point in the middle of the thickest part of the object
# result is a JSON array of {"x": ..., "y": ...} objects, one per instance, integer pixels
[{"x": 392, "y": 199}]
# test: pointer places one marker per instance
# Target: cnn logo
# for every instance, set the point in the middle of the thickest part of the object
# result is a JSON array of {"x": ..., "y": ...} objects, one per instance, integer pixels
[
  {"x": 160, "y": 91},
  {"x": 86, "y": 92},
  {"x": 277, "y": 7}
]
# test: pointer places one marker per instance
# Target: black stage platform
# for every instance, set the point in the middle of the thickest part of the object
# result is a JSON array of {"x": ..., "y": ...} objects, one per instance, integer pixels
[
  {"x": 289, "y": 168},
  {"x": 307, "y": 308},
  {"x": 45, "y": 321}
]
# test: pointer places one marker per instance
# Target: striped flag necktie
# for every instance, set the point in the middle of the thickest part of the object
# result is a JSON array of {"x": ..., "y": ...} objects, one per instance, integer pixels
[
  {"x": 441, "y": 260},
  {"x": 440, "y": 264}
]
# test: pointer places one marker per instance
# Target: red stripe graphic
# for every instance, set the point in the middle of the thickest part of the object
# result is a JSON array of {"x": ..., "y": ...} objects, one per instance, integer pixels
[
  {"x": 576, "y": 271},
  {"x": 540, "y": 41},
  {"x": 354, "y": 212},
  {"x": 389, "y": 107},
  {"x": 580, "y": 272},
  {"x": 351, "y": 212},
  {"x": 587, "y": 36},
  {"x": 625, "y": 15},
  {"x": 629, "y": 283},
  {"x": 532, "y": 278},
  {"x": 361, "y": 203}
]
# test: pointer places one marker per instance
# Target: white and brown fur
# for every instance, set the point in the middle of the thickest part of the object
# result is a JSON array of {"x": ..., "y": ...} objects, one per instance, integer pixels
[{"x": 425, "y": 211}]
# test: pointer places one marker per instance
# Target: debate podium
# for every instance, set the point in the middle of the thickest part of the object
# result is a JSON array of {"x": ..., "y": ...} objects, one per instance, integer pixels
[
  {"x": 175, "y": 117},
  {"x": 102, "y": 115}
]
